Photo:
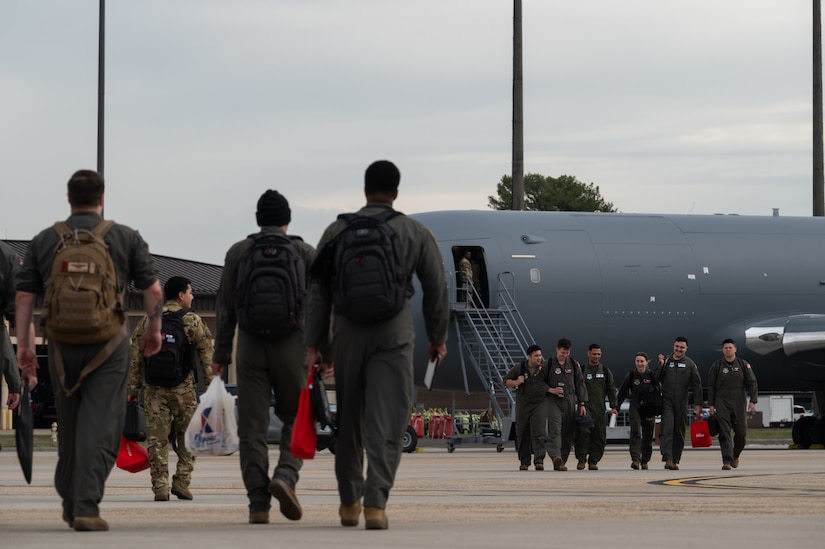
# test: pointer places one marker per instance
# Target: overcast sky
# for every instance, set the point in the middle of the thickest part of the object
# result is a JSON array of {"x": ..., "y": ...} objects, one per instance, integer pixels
[{"x": 669, "y": 107}]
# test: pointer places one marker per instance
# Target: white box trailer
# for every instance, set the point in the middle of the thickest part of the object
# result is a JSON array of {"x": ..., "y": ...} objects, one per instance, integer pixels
[{"x": 777, "y": 410}]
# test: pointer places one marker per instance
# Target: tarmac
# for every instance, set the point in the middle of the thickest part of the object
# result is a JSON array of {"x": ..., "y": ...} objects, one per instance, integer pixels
[{"x": 473, "y": 497}]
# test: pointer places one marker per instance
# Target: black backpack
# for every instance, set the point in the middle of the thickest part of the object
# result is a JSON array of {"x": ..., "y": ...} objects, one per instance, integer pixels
[
  {"x": 170, "y": 366},
  {"x": 650, "y": 399},
  {"x": 270, "y": 289},
  {"x": 369, "y": 284}
]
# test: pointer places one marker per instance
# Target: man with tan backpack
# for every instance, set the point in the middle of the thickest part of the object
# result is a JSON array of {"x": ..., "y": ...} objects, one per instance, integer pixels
[{"x": 83, "y": 266}]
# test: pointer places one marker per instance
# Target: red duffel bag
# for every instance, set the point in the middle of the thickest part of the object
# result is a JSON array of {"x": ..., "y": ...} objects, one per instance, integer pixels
[
  {"x": 132, "y": 456},
  {"x": 700, "y": 434}
]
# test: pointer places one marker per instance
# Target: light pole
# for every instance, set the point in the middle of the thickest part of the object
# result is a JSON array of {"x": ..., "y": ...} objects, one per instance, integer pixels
[{"x": 101, "y": 83}]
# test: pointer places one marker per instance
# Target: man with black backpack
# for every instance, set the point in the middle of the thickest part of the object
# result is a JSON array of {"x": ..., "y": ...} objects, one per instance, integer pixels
[
  {"x": 89, "y": 348},
  {"x": 170, "y": 397},
  {"x": 262, "y": 291},
  {"x": 364, "y": 273}
]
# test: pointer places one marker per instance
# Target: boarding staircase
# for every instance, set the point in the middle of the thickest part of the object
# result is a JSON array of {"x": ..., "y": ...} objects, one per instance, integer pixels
[{"x": 492, "y": 340}]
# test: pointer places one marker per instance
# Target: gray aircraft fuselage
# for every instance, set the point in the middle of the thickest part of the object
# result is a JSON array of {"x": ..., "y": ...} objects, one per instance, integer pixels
[{"x": 633, "y": 282}]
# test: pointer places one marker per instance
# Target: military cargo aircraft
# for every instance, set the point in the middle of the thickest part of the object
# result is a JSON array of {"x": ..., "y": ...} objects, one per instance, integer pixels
[{"x": 632, "y": 282}]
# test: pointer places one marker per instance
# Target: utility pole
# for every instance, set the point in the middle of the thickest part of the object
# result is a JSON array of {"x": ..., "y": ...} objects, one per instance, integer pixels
[
  {"x": 518, "y": 112},
  {"x": 819, "y": 173},
  {"x": 101, "y": 82}
]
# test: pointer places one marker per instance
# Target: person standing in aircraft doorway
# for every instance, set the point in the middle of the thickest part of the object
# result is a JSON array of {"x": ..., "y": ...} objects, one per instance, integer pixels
[
  {"x": 729, "y": 378},
  {"x": 465, "y": 270},
  {"x": 598, "y": 378},
  {"x": 529, "y": 379},
  {"x": 566, "y": 389},
  {"x": 677, "y": 374}
]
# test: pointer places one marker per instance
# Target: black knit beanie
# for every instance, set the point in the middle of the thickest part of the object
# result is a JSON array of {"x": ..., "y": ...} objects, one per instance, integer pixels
[{"x": 273, "y": 209}]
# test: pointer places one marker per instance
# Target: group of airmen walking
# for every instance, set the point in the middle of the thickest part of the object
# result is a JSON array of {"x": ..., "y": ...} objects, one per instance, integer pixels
[{"x": 563, "y": 405}]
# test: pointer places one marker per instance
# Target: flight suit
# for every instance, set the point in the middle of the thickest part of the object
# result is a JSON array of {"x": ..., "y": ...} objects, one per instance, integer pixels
[
  {"x": 262, "y": 367},
  {"x": 676, "y": 377},
  {"x": 91, "y": 419},
  {"x": 373, "y": 364},
  {"x": 728, "y": 383},
  {"x": 531, "y": 412},
  {"x": 562, "y": 410},
  {"x": 173, "y": 407},
  {"x": 641, "y": 428},
  {"x": 9, "y": 264},
  {"x": 590, "y": 442}
]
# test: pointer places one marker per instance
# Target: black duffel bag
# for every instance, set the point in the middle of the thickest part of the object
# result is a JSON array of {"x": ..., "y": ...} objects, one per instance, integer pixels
[{"x": 134, "y": 428}]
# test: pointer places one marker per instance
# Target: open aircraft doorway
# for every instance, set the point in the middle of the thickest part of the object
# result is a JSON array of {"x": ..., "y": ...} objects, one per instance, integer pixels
[{"x": 478, "y": 287}]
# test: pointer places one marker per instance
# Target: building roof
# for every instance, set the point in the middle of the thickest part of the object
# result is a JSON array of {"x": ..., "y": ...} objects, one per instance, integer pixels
[{"x": 205, "y": 277}]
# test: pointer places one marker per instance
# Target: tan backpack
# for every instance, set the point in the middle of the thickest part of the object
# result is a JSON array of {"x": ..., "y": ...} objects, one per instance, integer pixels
[{"x": 82, "y": 304}]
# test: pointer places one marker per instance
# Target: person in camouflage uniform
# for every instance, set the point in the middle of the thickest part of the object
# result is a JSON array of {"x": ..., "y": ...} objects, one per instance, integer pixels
[
  {"x": 598, "y": 378},
  {"x": 171, "y": 406}
]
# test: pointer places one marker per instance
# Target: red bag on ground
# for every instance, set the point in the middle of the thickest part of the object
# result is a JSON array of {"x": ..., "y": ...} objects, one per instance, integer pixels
[
  {"x": 700, "y": 434},
  {"x": 132, "y": 456},
  {"x": 304, "y": 436}
]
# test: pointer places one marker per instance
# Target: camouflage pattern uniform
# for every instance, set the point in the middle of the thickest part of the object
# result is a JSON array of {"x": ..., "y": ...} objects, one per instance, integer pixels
[{"x": 170, "y": 406}]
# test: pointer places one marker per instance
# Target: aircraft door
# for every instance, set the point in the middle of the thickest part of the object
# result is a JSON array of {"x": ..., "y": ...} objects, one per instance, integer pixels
[{"x": 472, "y": 286}]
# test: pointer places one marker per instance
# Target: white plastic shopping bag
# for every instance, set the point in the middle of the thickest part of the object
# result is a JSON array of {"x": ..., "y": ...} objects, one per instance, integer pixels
[{"x": 213, "y": 429}]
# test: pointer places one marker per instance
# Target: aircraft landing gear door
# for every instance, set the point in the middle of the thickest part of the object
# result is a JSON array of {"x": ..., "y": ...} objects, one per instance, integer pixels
[{"x": 472, "y": 287}]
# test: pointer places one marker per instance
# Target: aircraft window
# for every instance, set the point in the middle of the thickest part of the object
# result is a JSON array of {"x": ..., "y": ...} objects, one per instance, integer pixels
[
  {"x": 535, "y": 276},
  {"x": 705, "y": 270}
]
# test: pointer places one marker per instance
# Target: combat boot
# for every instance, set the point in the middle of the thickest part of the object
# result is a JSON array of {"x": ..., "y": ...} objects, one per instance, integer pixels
[
  {"x": 580, "y": 465},
  {"x": 634, "y": 465},
  {"x": 350, "y": 514},
  {"x": 181, "y": 491},
  {"x": 259, "y": 517},
  {"x": 670, "y": 465},
  {"x": 375, "y": 518},
  {"x": 285, "y": 494},
  {"x": 735, "y": 463},
  {"x": 90, "y": 524},
  {"x": 593, "y": 467}
]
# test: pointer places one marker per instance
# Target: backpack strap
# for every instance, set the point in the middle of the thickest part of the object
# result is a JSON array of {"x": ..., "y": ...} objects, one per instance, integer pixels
[{"x": 93, "y": 365}]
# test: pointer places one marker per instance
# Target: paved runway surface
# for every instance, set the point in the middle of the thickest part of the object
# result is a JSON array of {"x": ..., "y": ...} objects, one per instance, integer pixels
[{"x": 474, "y": 497}]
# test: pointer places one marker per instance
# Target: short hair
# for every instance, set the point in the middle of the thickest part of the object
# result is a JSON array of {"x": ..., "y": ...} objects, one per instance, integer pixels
[
  {"x": 683, "y": 339},
  {"x": 382, "y": 177},
  {"x": 85, "y": 188},
  {"x": 594, "y": 346},
  {"x": 643, "y": 355},
  {"x": 729, "y": 340},
  {"x": 532, "y": 349},
  {"x": 564, "y": 343},
  {"x": 174, "y": 286}
]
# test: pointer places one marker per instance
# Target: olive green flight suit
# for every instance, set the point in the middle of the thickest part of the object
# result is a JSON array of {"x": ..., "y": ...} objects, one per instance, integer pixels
[
  {"x": 562, "y": 410},
  {"x": 590, "y": 442},
  {"x": 728, "y": 385},
  {"x": 676, "y": 377}
]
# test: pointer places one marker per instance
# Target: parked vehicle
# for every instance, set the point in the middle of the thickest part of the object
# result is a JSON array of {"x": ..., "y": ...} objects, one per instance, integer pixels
[{"x": 326, "y": 438}]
